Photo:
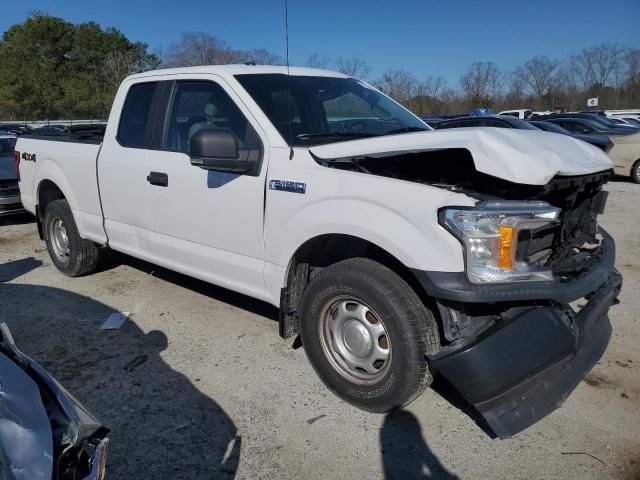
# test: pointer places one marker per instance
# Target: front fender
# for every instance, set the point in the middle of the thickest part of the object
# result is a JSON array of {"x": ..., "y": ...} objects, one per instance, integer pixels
[{"x": 417, "y": 244}]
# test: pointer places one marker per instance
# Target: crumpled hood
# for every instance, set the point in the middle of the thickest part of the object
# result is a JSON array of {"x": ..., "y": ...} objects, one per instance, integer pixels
[{"x": 519, "y": 156}]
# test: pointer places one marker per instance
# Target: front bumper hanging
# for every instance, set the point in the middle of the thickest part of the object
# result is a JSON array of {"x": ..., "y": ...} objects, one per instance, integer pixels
[{"x": 525, "y": 366}]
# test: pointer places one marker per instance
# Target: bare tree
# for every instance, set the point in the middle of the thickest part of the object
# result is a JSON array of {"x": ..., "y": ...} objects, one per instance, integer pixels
[
  {"x": 402, "y": 86},
  {"x": 539, "y": 76},
  {"x": 354, "y": 67},
  {"x": 516, "y": 89},
  {"x": 432, "y": 86},
  {"x": 259, "y": 56},
  {"x": 398, "y": 84},
  {"x": 426, "y": 92},
  {"x": 598, "y": 65},
  {"x": 606, "y": 61},
  {"x": 631, "y": 83},
  {"x": 198, "y": 48},
  {"x": 448, "y": 96},
  {"x": 316, "y": 61},
  {"x": 481, "y": 83}
]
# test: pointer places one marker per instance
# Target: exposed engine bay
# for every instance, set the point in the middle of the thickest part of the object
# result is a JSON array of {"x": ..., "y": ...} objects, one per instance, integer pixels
[{"x": 567, "y": 247}]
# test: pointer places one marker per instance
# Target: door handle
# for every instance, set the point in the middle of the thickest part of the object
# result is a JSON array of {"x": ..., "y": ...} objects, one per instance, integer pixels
[{"x": 158, "y": 178}]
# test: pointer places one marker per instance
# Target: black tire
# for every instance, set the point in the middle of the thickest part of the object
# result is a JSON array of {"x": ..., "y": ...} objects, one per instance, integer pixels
[
  {"x": 411, "y": 328},
  {"x": 635, "y": 172},
  {"x": 82, "y": 257}
]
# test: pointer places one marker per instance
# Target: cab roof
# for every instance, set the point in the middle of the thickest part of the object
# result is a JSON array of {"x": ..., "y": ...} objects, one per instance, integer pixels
[{"x": 242, "y": 69}]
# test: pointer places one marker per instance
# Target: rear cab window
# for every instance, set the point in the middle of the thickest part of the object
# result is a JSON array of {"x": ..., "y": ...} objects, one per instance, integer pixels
[{"x": 133, "y": 128}]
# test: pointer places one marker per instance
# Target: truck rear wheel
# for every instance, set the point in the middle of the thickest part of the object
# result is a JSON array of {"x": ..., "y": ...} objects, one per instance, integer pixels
[
  {"x": 366, "y": 333},
  {"x": 71, "y": 254}
]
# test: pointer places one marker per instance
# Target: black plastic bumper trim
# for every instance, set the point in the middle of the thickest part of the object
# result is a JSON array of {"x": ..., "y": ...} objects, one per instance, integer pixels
[
  {"x": 524, "y": 367},
  {"x": 456, "y": 286}
]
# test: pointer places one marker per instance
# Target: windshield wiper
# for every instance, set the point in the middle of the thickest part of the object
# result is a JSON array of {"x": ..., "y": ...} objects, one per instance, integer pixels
[
  {"x": 407, "y": 130},
  {"x": 308, "y": 136}
]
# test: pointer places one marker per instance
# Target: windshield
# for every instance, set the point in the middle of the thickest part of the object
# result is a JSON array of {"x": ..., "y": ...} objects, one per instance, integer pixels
[
  {"x": 317, "y": 110},
  {"x": 605, "y": 122},
  {"x": 551, "y": 127},
  {"x": 598, "y": 126},
  {"x": 517, "y": 123}
]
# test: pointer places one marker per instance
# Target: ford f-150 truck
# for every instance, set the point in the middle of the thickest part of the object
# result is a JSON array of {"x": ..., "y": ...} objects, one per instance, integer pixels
[{"x": 394, "y": 251}]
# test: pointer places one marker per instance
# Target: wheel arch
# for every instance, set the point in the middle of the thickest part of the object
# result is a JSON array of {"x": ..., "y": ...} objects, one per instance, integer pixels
[
  {"x": 323, "y": 250},
  {"x": 47, "y": 191}
]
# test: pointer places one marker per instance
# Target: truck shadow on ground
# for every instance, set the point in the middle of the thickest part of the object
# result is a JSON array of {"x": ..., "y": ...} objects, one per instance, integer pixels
[
  {"x": 17, "y": 219},
  {"x": 110, "y": 259},
  {"x": 405, "y": 453},
  {"x": 162, "y": 425},
  {"x": 622, "y": 179}
]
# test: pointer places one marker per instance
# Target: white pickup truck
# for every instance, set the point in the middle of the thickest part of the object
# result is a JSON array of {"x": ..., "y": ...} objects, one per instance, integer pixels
[{"x": 393, "y": 251}]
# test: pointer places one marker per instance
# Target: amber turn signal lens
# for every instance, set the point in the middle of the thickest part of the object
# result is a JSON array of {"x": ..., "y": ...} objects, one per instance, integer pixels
[{"x": 505, "y": 260}]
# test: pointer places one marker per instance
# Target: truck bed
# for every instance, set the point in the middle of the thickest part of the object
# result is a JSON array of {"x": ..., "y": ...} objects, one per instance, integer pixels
[
  {"x": 67, "y": 161},
  {"x": 86, "y": 133}
]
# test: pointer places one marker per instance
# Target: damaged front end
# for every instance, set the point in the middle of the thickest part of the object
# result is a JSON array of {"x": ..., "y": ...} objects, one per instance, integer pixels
[
  {"x": 517, "y": 350},
  {"x": 527, "y": 319}
]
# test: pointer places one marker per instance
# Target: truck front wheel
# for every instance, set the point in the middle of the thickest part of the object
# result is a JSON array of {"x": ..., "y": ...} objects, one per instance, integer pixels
[
  {"x": 366, "y": 333},
  {"x": 71, "y": 254}
]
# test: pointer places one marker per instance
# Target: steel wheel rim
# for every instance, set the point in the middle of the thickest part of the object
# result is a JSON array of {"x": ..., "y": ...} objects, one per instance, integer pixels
[
  {"x": 355, "y": 340},
  {"x": 59, "y": 240}
]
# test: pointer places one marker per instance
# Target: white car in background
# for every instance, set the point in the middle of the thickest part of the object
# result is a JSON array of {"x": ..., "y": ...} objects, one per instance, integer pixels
[
  {"x": 9, "y": 190},
  {"x": 521, "y": 113}
]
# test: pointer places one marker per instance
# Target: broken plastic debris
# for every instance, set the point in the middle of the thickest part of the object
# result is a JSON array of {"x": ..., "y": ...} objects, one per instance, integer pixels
[{"x": 114, "y": 321}]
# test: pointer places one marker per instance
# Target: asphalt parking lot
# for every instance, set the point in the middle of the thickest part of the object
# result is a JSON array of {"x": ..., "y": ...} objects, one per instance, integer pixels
[{"x": 197, "y": 383}]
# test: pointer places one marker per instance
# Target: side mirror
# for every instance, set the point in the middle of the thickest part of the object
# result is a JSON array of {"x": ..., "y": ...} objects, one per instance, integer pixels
[
  {"x": 585, "y": 130},
  {"x": 217, "y": 150}
]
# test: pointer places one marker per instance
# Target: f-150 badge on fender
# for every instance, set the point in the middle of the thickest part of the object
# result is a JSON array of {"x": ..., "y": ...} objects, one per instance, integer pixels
[{"x": 287, "y": 186}]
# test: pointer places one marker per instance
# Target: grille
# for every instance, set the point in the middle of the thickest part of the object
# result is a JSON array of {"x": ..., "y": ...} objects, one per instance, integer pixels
[{"x": 531, "y": 242}]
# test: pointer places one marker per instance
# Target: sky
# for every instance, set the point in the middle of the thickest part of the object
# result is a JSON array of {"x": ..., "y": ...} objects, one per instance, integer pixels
[{"x": 421, "y": 36}]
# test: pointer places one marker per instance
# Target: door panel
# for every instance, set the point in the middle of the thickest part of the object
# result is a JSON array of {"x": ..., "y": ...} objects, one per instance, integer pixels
[
  {"x": 206, "y": 218},
  {"x": 123, "y": 165},
  {"x": 161, "y": 208}
]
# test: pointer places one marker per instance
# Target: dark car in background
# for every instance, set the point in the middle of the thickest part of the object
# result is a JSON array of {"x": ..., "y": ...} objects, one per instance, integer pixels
[
  {"x": 45, "y": 433},
  {"x": 603, "y": 142},
  {"x": 51, "y": 130},
  {"x": 505, "y": 121},
  {"x": 16, "y": 128},
  {"x": 9, "y": 192},
  {"x": 586, "y": 123}
]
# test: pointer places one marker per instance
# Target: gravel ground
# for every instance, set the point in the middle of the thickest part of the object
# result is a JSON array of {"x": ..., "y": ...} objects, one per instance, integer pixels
[{"x": 198, "y": 385}]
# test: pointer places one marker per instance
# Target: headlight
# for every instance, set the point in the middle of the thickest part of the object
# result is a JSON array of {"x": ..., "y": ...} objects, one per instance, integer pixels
[{"x": 489, "y": 232}]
